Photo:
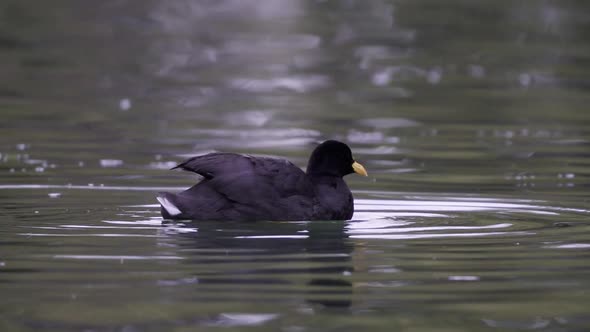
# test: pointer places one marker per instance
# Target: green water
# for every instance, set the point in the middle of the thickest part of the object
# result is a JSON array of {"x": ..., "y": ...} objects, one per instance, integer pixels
[{"x": 471, "y": 118}]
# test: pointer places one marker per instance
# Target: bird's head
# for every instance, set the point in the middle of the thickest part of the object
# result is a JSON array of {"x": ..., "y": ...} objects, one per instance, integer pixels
[{"x": 333, "y": 158}]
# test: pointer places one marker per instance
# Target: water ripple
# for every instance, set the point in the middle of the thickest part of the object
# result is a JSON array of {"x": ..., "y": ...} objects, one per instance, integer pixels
[{"x": 116, "y": 257}]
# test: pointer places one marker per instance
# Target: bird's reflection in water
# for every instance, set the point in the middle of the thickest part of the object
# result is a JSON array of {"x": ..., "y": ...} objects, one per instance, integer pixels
[
  {"x": 334, "y": 290},
  {"x": 314, "y": 258}
]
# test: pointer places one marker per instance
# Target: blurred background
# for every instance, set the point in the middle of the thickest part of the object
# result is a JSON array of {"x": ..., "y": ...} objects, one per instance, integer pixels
[
  {"x": 471, "y": 117},
  {"x": 463, "y": 96}
]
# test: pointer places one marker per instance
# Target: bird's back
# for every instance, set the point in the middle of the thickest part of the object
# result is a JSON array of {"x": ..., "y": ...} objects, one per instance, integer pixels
[{"x": 240, "y": 187}]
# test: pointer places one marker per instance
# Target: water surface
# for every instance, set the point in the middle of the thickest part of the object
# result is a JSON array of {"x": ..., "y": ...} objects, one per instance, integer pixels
[{"x": 470, "y": 118}]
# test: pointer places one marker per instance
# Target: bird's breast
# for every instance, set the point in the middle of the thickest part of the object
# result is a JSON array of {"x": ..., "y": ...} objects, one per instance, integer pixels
[{"x": 334, "y": 200}]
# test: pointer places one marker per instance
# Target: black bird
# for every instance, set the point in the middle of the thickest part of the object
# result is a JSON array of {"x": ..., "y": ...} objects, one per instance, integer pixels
[{"x": 247, "y": 188}]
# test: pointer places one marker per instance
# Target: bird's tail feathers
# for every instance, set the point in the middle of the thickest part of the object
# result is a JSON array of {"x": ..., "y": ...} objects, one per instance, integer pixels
[{"x": 168, "y": 206}]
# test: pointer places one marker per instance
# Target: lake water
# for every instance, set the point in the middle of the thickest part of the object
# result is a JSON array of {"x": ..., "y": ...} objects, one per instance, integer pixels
[{"x": 472, "y": 120}]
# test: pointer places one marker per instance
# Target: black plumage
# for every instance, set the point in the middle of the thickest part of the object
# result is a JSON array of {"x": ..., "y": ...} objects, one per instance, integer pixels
[{"x": 246, "y": 188}]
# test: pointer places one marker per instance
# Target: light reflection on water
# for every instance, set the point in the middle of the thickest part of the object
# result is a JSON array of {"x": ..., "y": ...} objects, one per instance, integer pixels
[
  {"x": 394, "y": 219},
  {"x": 398, "y": 248}
]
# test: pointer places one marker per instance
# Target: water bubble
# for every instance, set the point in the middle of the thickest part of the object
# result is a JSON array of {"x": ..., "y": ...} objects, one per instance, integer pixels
[
  {"x": 382, "y": 78},
  {"x": 463, "y": 278},
  {"x": 434, "y": 76},
  {"x": 566, "y": 175},
  {"x": 110, "y": 162},
  {"x": 22, "y": 146},
  {"x": 125, "y": 104},
  {"x": 525, "y": 79}
]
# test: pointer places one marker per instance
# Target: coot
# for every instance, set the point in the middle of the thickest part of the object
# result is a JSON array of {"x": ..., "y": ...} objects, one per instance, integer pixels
[{"x": 246, "y": 188}]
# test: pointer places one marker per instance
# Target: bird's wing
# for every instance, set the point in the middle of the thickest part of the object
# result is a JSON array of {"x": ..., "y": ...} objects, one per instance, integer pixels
[
  {"x": 217, "y": 164},
  {"x": 247, "y": 178},
  {"x": 275, "y": 189},
  {"x": 246, "y": 187},
  {"x": 250, "y": 177}
]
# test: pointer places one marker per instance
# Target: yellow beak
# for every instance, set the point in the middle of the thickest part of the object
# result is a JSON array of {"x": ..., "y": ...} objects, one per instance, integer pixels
[{"x": 359, "y": 169}]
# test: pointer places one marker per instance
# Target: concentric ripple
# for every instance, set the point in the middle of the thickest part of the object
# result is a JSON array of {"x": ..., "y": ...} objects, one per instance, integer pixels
[{"x": 481, "y": 256}]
